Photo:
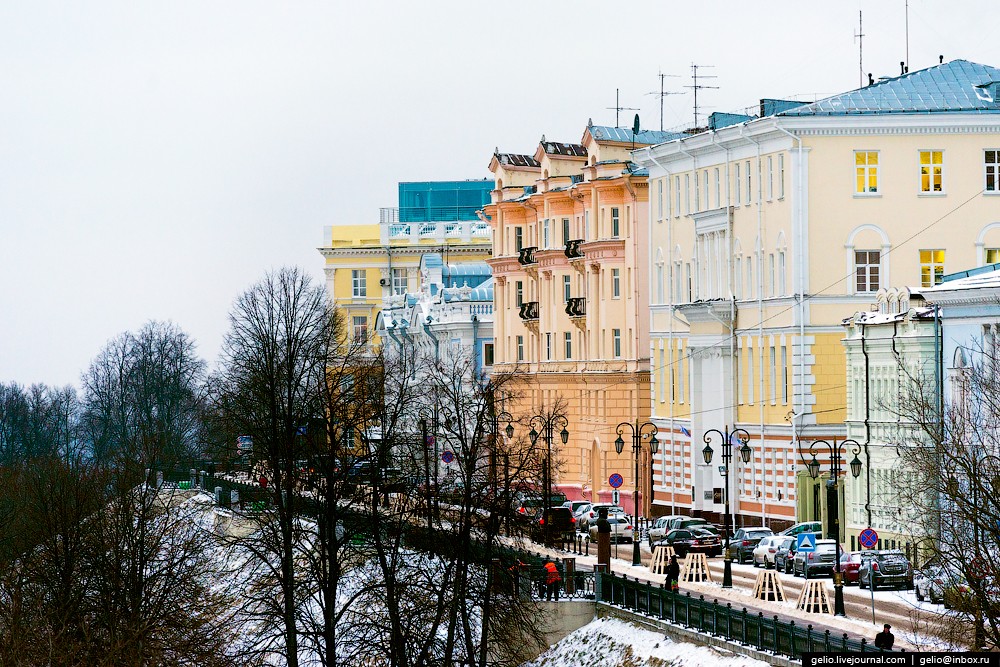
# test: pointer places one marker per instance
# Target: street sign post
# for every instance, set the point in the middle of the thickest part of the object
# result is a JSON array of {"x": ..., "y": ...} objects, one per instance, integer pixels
[
  {"x": 616, "y": 497},
  {"x": 868, "y": 538},
  {"x": 805, "y": 542},
  {"x": 447, "y": 456},
  {"x": 615, "y": 480}
]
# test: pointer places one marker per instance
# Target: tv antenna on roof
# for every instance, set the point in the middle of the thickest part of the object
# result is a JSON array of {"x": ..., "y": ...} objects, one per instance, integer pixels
[
  {"x": 859, "y": 36},
  {"x": 696, "y": 87},
  {"x": 618, "y": 107},
  {"x": 663, "y": 94}
]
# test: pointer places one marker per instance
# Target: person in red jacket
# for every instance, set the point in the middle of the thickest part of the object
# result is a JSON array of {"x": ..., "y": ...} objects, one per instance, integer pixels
[{"x": 552, "y": 580}]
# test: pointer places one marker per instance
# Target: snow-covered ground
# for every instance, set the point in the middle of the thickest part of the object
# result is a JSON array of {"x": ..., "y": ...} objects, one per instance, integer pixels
[{"x": 609, "y": 642}]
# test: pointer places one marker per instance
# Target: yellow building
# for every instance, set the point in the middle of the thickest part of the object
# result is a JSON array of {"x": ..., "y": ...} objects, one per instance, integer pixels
[
  {"x": 570, "y": 269},
  {"x": 766, "y": 233},
  {"x": 372, "y": 265}
]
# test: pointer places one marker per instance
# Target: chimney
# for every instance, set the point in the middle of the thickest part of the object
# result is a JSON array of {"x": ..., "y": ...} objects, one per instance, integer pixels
[
  {"x": 871, "y": 79},
  {"x": 940, "y": 60},
  {"x": 902, "y": 68}
]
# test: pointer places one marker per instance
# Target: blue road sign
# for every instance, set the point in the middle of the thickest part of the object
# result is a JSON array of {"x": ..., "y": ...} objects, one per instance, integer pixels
[
  {"x": 615, "y": 481},
  {"x": 447, "y": 456},
  {"x": 806, "y": 542},
  {"x": 868, "y": 538}
]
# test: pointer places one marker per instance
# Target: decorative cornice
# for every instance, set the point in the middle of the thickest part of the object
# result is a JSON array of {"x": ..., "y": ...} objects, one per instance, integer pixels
[{"x": 375, "y": 251}]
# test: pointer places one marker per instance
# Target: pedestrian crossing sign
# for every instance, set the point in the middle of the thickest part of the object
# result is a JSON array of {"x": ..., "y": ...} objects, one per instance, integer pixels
[{"x": 806, "y": 542}]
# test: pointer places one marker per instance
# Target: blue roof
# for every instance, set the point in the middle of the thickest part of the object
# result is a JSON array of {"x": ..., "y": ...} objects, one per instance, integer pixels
[
  {"x": 951, "y": 87},
  {"x": 471, "y": 274},
  {"x": 623, "y": 135}
]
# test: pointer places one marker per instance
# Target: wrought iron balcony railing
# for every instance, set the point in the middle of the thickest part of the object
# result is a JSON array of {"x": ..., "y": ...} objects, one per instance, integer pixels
[
  {"x": 529, "y": 310},
  {"x": 573, "y": 249},
  {"x": 576, "y": 306},
  {"x": 527, "y": 256}
]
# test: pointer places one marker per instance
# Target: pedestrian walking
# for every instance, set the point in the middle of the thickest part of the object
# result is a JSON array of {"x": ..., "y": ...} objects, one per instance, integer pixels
[
  {"x": 552, "y": 580},
  {"x": 673, "y": 574},
  {"x": 884, "y": 640}
]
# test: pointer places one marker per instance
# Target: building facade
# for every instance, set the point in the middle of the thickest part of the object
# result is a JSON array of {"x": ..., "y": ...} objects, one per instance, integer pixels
[
  {"x": 366, "y": 264},
  {"x": 766, "y": 232},
  {"x": 570, "y": 266}
]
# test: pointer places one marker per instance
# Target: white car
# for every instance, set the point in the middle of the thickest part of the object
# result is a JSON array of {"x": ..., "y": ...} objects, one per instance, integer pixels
[
  {"x": 621, "y": 529},
  {"x": 659, "y": 528},
  {"x": 764, "y": 552},
  {"x": 587, "y": 517}
]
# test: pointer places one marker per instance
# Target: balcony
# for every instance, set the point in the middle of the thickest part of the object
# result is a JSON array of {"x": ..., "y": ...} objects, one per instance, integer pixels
[
  {"x": 526, "y": 256},
  {"x": 529, "y": 310},
  {"x": 573, "y": 249},
  {"x": 576, "y": 307}
]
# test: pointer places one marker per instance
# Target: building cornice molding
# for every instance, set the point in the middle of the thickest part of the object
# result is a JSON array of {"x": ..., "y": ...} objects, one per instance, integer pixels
[{"x": 370, "y": 251}]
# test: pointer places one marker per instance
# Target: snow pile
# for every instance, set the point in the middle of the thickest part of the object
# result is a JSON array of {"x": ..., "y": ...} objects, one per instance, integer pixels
[{"x": 609, "y": 642}]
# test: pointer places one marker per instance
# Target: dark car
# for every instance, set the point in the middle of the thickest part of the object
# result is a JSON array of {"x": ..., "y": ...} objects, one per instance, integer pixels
[
  {"x": 804, "y": 527},
  {"x": 784, "y": 554},
  {"x": 822, "y": 559},
  {"x": 692, "y": 540},
  {"x": 885, "y": 568},
  {"x": 744, "y": 541},
  {"x": 850, "y": 563},
  {"x": 561, "y": 525}
]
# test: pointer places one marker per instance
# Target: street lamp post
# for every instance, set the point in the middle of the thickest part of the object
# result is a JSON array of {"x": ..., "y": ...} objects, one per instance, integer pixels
[
  {"x": 637, "y": 434},
  {"x": 548, "y": 424},
  {"x": 813, "y": 467},
  {"x": 743, "y": 437}
]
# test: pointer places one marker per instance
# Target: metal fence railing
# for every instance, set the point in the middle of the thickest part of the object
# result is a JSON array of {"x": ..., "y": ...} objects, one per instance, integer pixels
[{"x": 739, "y": 625}]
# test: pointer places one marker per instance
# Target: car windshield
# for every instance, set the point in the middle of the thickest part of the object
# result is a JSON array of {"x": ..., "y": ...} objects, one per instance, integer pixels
[
  {"x": 701, "y": 532},
  {"x": 759, "y": 533}
]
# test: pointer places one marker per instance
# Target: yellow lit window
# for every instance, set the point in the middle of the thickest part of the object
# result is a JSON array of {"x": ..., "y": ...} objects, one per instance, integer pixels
[
  {"x": 931, "y": 267},
  {"x": 993, "y": 255},
  {"x": 931, "y": 171},
  {"x": 866, "y": 171}
]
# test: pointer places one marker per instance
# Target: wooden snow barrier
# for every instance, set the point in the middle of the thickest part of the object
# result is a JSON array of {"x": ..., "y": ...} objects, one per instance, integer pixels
[
  {"x": 768, "y": 587},
  {"x": 695, "y": 569},
  {"x": 661, "y": 559},
  {"x": 814, "y": 599}
]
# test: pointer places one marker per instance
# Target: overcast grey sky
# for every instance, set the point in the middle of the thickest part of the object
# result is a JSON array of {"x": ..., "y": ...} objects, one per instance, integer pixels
[{"x": 157, "y": 158}]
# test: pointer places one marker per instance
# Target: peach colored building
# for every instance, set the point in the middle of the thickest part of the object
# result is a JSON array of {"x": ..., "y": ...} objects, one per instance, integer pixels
[
  {"x": 765, "y": 234},
  {"x": 570, "y": 266}
]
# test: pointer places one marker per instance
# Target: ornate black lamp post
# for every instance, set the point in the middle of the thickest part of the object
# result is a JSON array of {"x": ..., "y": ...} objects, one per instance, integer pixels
[
  {"x": 727, "y": 456},
  {"x": 654, "y": 445},
  {"x": 813, "y": 468},
  {"x": 547, "y": 425}
]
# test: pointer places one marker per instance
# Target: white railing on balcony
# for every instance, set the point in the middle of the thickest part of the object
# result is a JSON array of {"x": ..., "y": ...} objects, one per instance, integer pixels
[{"x": 417, "y": 231}]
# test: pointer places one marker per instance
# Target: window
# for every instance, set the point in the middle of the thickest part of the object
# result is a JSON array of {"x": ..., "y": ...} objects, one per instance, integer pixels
[
  {"x": 677, "y": 191},
  {"x": 399, "y": 281},
  {"x": 566, "y": 281},
  {"x": 781, "y": 176},
  {"x": 931, "y": 267},
  {"x": 586, "y": 225},
  {"x": 770, "y": 177},
  {"x": 568, "y": 344},
  {"x": 704, "y": 176},
  {"x": 545, "y": 233},
  {"x": 359, "y": 282},
  {"x": 616, "y": 343},
  {"x": 520, "y": 348},
  {"x": 750, "y": 374},
  {"x": 866, "y": 270},
  {"x": 360, "y": 328},
  {"x": 615, "y": 222},
  {"x": 487, "y": 354},
  {"x": 992, "y": 255},
  {"x": 659, "y": 199},
  {"x": 738, "y": 184},
  {"x": 738, "y": 278},
  {"x": 565, "y": 225},
  {"x": 784, "y": 375},
  {"x": 687, "y": 193},
  {"x": 659, "y": 282},
  {"x": 992, "y": 163},
  {"x": 931, "y": 171},
  {"x": 748, "y": 196},
  {"x": 689, "y": 280},
  {"x": 616, "y": 283},
  {"x": 718, "y": 191},
  {"x": 774, "y": 384},
  {"x": 548, "y": 346},
  {"x": 770, "y": 271},
  {"x": 518, "y": 293},
  {"x": 749, "y": 277},
  {"x": 866, "y": 172},
  {"x": 667, "y": 180},
  {"x": 518, "y": 239},
  {"x": 697, "y": 193},
  {"x": 781, "y": 273}
]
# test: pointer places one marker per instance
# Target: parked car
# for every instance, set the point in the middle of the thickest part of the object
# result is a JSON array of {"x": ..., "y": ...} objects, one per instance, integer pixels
[
  {"x": 621, "y": 529},
  {"x": 931, "y": 582},
  {"x": 561, "y": 525},
  {"x": 885, "y": 568},
  {"x": 575, "y": 505},
  {"x": 822, "y": 559},
  {"x": 527, "y": 504},
  {"x": 850, "y": 563},
  {"x": 696, "y": 540},
  {"x": 804, "y": 527},
  {"x": 688, "y": 522},
  {"x": 784, "y": 554},
  {"x": 659, "y": 528},
  {"x": 588, "y": 517},
  {"x": 745, "y": 540},
  {"x": 765, "y": 551}
]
